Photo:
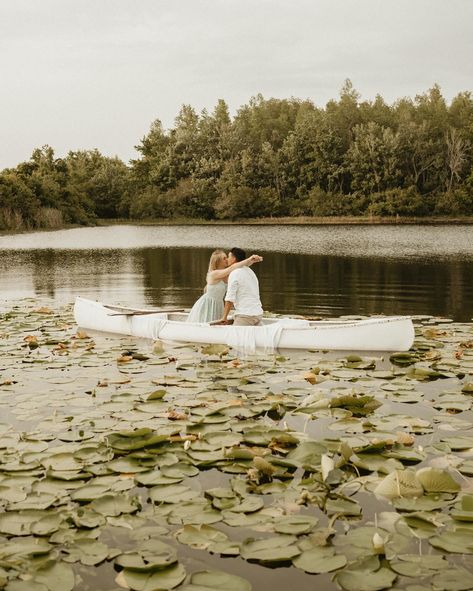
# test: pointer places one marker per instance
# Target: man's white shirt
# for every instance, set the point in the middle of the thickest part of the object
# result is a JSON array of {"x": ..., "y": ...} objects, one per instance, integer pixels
[{"x": 243, "y": 292}]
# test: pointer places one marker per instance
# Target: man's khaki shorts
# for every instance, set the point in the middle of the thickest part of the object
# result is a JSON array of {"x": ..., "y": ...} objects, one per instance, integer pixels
[{"x": 247, "y": 320}]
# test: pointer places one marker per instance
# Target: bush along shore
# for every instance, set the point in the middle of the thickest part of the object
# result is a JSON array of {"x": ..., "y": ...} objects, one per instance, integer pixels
[
  {"x": 275, "y": 158},
  {"x": 161, "y": 466}
]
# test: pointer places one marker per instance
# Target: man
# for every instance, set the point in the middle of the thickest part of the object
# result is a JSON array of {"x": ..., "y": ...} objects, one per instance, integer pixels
[{"x": 242, "y": 293}]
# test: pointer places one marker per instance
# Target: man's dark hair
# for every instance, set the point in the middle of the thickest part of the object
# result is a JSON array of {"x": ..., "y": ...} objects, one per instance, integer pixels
[{"x": 239, "y": 254}]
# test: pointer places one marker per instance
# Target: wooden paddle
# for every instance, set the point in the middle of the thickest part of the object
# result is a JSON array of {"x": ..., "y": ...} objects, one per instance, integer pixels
[{"x": 131, "y": 312}]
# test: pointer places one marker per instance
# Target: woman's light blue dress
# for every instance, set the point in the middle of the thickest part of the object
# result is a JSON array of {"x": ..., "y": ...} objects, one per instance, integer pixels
[{"x": 209, "y": 307}]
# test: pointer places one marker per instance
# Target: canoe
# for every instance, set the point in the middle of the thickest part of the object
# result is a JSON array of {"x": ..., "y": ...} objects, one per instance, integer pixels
[{"x": 372, "y": 334}]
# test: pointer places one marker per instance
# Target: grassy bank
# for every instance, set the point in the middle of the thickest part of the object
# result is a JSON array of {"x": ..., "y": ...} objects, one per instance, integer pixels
[
  {"x": 284, "y": 221},
  {"x": 295, "y": 221}
]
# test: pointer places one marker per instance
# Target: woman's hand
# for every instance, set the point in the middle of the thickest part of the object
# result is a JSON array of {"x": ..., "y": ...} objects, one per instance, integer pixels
[{"x": 255, "y": 258}]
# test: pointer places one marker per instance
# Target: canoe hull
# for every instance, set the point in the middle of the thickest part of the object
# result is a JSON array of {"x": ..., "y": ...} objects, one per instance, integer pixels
[{"x": 373, "y": 334}]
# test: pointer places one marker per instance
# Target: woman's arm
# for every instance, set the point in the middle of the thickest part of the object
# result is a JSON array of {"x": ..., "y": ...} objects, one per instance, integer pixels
[{"x": 220, "y": 274}]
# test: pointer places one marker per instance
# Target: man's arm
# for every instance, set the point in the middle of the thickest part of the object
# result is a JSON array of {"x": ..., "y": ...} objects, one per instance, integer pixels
[
  {"x": 226, "y": 310},
  {"x": 229, "y": 298}
]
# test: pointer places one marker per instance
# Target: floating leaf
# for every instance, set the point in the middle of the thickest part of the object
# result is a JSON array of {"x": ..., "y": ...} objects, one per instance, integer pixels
[
  {"x": 436, "y": 480},
  {"x": 400, "y": 483},
  {"x": 453, "y": 579},
  {"x": 88, "y": 552},
  {"x": 56, "y": 577},
  {"x": 459, "y": 542},
  {"x": 463, "y": 510},
  {"x": 202, "y": 537},
  {"x": 353, "y": 580},
  {"x": 149, "y": 557},
  {"x": 219, "y": 350},
  {"x": 276, "y": 549},
  {"x": 167, "y": 578},
  {"x": 113, "y": 505},
  {"x": 319, "y": 560},
  {"x": 174, "y": 493},
  {"x": 211, "y": 580},
  {"x": 295, "y": 524}
]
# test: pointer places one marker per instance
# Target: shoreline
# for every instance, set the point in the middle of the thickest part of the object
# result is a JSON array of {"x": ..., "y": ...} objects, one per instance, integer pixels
[
  {"x": 282, "y": 221},
  {"x": 297, "y": 221}
]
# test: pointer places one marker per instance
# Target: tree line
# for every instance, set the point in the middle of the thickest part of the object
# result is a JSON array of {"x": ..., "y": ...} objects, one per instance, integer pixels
[{"x": 275, "y": 157}]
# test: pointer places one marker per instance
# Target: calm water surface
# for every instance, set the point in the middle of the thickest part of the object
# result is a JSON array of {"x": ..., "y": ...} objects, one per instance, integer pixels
[{"x": 322, "y": 270}]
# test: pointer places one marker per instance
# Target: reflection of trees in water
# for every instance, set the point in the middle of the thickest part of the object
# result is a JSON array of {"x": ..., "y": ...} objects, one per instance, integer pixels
[
  {"x": 175, "y": 276},
  {"x": 43, "y": 268},
  {"x": 323, "y": 284},
  {"x": 75, "y": 272},
  {"x": 326, "y": 285},
  {"x": 335, "y": 285}
]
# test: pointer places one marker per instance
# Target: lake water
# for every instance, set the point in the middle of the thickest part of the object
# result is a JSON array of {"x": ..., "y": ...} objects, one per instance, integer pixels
[{"x": 319, "y": 270}]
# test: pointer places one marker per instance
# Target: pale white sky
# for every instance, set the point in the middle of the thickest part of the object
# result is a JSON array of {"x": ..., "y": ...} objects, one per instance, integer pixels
[{"x": 83, "y": 74}]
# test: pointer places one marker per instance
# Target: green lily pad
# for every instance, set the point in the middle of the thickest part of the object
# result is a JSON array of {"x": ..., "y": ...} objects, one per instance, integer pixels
[
  {"x": 62, "y": 461},
  {"x": 19, "y": 523},
  {"x": 459, "y": 542},
  {"x": 167, "y": 578},
  {"x": 343, "y": 506},
  {"x": 400, "y": 483},
  {"x": 202, "y": 537},
  {"x": 271, "y": 550},
  {"x": 47, "y": 524},
  {"x": 295, "y": 524},
  {"x": 436, "y": 480},
  {"x": 219, "y": 350},
  {"x": 427, "y": 502},
  {"x": 114, "y": 505},
  {"x": 150, "y": 556},
  {"x": 179, "y": 470},
  {"x": 87, "y": 551},
  {"x": 134, "y": 440},
  {"x": 56, "y": 577},
  {"x": 319, "y": 560},
  {"x": 174, "y": 493},
  {"x": 28, "y": 546},
  {"x": 211, "y": 580},
  {"x": 248, "y": 505},
  {"x": 463, "y": 509},
  {"x": 353, "y": 580},
  {"x": 418, "y": 566},
  {"x": 453, "y": 579}
]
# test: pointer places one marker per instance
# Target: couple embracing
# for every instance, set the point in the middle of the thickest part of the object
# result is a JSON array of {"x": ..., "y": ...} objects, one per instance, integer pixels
[{"x": 231, "y": 284}]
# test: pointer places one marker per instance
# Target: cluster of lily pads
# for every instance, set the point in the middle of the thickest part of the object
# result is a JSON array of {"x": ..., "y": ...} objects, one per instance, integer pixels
[{"x": 138, "y": 465}]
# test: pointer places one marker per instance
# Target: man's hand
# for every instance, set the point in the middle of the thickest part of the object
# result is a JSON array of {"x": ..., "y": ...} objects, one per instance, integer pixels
[{"x": 220, "y": 321}]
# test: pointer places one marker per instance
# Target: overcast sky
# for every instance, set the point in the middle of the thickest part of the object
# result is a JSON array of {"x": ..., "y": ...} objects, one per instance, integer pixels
[{"x": 83, "y": 74}]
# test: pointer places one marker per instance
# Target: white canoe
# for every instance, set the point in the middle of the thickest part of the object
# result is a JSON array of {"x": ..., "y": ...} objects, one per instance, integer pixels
[{"x": 372, "y": 334}]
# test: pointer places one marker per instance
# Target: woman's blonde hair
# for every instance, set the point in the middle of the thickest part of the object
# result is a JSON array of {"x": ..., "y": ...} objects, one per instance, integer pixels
[{"x": 215, "y": 258}]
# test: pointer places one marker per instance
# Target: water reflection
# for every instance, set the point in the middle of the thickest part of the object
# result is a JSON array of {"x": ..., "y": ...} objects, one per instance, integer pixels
[{"x": 290, "y": 283}]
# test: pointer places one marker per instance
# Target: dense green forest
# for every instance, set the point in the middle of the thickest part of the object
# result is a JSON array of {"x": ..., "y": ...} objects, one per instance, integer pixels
[{"x": 276, "y": 157}]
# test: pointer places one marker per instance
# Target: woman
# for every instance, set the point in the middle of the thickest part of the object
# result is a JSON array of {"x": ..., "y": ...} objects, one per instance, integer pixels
[{"x": 209, "y": 307}]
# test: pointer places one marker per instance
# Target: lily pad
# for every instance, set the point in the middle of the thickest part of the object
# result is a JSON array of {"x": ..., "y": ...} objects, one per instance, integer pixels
[
  {"x": 400, "y": 483},
  {"x": 202, "y": 537},
  {"x": 320, "y": 560},
  {"x": 150, "y": 556},
  {"x": 211, "y": 580},
  {"x": 114, "y": 505},
  {"x": 453, "y": 579},
  {"x": 353, "y": 580},
  {"x": 167, "y": 578},
  {"x": 271, "y": 550},
  {"x": 436, "y": 480}
]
